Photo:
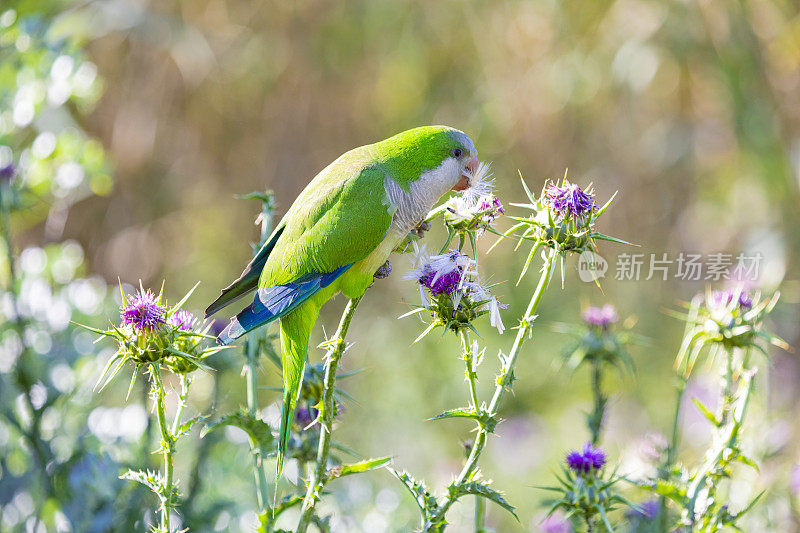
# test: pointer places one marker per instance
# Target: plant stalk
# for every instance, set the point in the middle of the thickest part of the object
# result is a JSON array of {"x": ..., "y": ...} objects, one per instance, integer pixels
[
  {"x": 671, "y": 454},
  {"x": 167, "y": 447},
  {"x": 505, "y": 378},
  {"x": 336, "y": 348},
  {"x": 596, "y": 420}
]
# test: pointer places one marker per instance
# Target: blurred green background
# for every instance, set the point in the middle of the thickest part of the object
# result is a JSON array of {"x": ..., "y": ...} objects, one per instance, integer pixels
[{"x": 690, "y": 109}]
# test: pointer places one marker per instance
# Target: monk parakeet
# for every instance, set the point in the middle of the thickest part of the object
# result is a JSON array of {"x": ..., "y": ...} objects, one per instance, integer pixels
[{"x": 337, "y": 233}]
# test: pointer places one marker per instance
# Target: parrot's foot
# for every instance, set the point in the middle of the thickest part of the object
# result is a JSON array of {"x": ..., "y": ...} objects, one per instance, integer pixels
[
  {"x": 383, "y": 271},
  {"x": 419, "y": 231}
]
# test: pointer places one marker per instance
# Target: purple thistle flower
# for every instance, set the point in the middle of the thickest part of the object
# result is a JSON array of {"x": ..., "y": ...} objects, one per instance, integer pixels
[
  {"x": 7, "y": 172},
  {"x": 555, "y": 523},
  {"x": 721, "y": 299},
  {"x": 183, "y": 319},
  {"x": 745, "y": 301},
  {"x": 443, "y": 273},
  {"x": 142, "y": 312},
  {"x": 569, "y": 200},
  {"x": 304, "y": 416},
  {"x": 447, "y": 282},
  {"x": 648, "y": 509},
  {"x": 490, "y": 207},
  {"x": 600, "y": 316},
  {"x": 587, "y": 460}
]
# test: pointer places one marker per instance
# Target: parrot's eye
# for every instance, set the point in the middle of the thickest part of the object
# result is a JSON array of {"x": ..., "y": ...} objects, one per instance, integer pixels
[{"x": 456, "y": 152}]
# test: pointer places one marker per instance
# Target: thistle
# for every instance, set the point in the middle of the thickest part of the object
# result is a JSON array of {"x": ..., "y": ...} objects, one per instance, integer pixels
[
  {"x": 562, "y": 219},
  {"x": 151, "y": 332},
  {"x": 155, "y": 336},
  {"x": 598, "y": 345},
  {"x": 723, "y": 321},
  {"x": 587, "y": 492},
  {"x": 471, "y": 213},
  {"x": 452, "y": 292},
  {"x": 728, "y": 326}
]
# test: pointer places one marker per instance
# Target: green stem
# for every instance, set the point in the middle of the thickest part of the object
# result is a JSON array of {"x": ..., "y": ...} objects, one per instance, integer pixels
[
  {"x": 504, "y": 379},
  {"x": 671, "y": 454},
  {"x": 336, "y": 348},
  {"x": 167, "y": 447},
  {"x": 472, "y": 378},
  {"x": 480, "y": 514},
  {"x": 726, "y": 439},
  {"x": 257, "y": 452},
  {"x": 596, "y": 420},
  {"x": 727, "y": 398}
]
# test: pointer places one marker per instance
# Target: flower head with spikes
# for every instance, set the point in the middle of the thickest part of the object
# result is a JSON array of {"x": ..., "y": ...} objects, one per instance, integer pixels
[
  {"x": 585, "y": 489},
  {"x": 562, "y": 218},
  {"x": 450, "y": 288},
  {"x": 143, "y": 312},
  {"x": 586, "y": 461},
  {"x": 725, "y": 320},
  {"x": 597, "y": 341},
  {"x": 153, "y": 332}
]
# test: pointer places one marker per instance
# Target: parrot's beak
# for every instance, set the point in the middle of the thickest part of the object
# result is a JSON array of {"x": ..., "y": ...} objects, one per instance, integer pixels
[{"x": 464, "y": 182}]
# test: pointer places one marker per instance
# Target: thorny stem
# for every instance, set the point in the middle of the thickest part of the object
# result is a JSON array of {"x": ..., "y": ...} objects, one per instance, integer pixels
[
  {"x": 727, "y": 398},
  {"x": 725, "y": 442},
  {"x": 504, "y": 379},
  {"x": 672, "y": 454},
  {"x": 251, "y": 380},
  {"x": 596, "y": 420},
  {"x": 472, "y": 377},
  {"x": 176, "y": 423},
  {"x": 480, "y": 514},
  {"x": 336, "y": 348},
  {"x": 167, "y": 447}
]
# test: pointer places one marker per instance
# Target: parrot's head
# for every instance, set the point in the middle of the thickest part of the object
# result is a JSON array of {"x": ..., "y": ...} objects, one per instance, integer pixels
[{"x": 443, "y": 158}]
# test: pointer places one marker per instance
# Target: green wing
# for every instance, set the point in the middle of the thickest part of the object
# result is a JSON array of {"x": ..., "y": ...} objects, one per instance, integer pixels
[{"x": 334, "y": 222}]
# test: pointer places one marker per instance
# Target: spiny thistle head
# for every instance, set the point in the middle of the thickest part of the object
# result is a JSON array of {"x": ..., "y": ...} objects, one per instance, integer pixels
[
  {"x": 472, "y": 212},
  {"x": 568, "y": 200},
  {"x": 725, "y": 319},
  {"x": 450, "y": 288},
  {"x": 586, "y": 461},
  {"x": 153, "y": 332},
  {"x": 143, "y": 312},
  {"x": 182, "y": 319},
  {"x": 560, "y": 218},
  {"x": 585, "y": 488},
  {"x": 601, "y": 317},
  {"x": 596, "y": 341},
  {"x": 463, "y": 214}
]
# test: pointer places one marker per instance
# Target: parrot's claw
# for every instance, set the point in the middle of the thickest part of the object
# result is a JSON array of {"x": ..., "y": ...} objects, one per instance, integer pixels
[
  {"x": 383, "y": 271},
  {"x": 420, "y": 230}
]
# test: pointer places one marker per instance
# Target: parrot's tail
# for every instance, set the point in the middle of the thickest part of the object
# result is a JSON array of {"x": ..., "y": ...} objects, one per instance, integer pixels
[{"x": 295, "y": 330}]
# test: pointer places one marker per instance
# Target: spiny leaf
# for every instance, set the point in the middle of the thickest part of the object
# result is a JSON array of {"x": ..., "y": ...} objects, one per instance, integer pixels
[
  {"x": 258, "y": 430},
  {"x": 357, "y": 468},
  {"x": 482, "y": 489}
]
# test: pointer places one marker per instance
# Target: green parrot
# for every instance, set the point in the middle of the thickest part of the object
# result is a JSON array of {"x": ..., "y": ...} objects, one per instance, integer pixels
[{"x": 337, "y": 233}]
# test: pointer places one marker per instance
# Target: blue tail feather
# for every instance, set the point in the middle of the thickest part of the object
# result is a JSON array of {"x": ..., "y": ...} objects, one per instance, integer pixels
[{"x": 272, "y": 303}]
